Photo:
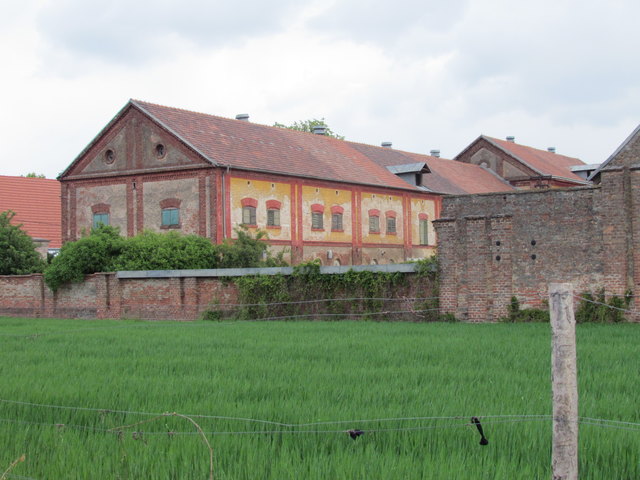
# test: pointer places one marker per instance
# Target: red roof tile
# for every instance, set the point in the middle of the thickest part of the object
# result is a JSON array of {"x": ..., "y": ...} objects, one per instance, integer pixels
[
  {"x": 251, "y": 146},
  {"x": 36, "y": 202},
  {"x": 542, "y": 161},
  {"x": 447, "y": 176}
]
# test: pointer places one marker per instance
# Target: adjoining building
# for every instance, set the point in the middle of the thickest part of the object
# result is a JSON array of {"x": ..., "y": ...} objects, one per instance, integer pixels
[
  {"x": 36, "y": 204},
  {"x": 526, "y": 167},
  {"x": 160, "y": 168},
  {"x": 498, "y": 245}
]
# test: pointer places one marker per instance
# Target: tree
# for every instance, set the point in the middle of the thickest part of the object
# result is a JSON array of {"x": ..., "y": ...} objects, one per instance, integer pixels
[
  {"x": 307, "y": 126},
  {"x": 35, "y": 175},
  {"x": 18, "y": 255}
]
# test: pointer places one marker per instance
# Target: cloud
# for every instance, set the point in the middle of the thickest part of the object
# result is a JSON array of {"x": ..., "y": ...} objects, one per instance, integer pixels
[{"x": 125, "y": 32}]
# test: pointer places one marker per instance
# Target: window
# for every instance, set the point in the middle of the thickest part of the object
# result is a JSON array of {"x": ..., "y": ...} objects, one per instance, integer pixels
[
  {"x": 391, "y": 225},
  {"x": 273, "y": 217},
  {"x": 317, "y": 217},
  {"x": 249, "y": 207},
  {"x": 316, "y": 221},
  {"x": 100, "y": 218},
  {"x": 336, "y": 218},
  {"x": 424, "y": 229},
  {"x": 170, "y": 217},
  {"x": 249, "y": 215},
  {"x": 336, "y": 222},
  {"x": 374, "y": 221}
]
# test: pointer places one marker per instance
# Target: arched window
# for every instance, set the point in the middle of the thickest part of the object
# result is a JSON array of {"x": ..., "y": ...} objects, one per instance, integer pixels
[
  {"x": 336, "y": 218},
  {"x": 374, "y": 220},
  {"x": 273, "y": 213},
  {"x": 170, "y": 213},
  {"x": 249, "y": 206},
  {"x": 317, "y": 217},
  {"x": 101, "y": 214},
  {"x": 423, "y": 221},
  {"x": 391, "y": 222}
]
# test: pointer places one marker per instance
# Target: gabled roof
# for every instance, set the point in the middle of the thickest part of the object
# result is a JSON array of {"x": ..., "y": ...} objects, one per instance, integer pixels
[
  {"x": 615, "y": 154},
  {"x": 446, "y": 176},
  {"x": 250, "y": 146},
  {"x": 36, "y": 202},
  {"x": 542, "y": 162}
]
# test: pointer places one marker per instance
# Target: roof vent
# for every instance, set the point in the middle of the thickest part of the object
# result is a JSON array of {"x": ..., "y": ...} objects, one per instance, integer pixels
[
  {"x": 244, "y": 117},
  {"x": 435, "y": 153},
  {"x": 511, "y": 139},
  {"x": 386, "y": 144},
  {"x": 551, "y": 149},
  {"x": 319, "y": 129}
]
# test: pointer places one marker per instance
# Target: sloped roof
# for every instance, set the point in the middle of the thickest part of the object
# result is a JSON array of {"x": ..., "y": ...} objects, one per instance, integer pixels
[
  {"x": 36, "y": 202},
  {"x": 622, "y": 146},
  {"x": 541, "y": 161},
  {"x": 250, "y": 146},
  {"x": 446, "y": 176}
]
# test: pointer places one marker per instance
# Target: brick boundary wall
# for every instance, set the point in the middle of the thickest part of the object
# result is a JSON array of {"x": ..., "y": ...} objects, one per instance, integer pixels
[
  {"x": 498, "y": 245},
  {"x": 154, "y": 295}
]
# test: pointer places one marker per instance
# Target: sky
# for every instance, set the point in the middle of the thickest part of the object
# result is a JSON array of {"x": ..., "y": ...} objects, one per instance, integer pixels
[{"x": 422, "y": 74}]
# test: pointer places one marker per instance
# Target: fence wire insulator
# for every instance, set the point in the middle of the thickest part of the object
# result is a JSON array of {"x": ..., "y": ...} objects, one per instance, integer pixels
[
  {"x": 476, "y": 422},
  {"x": 355, "y": 433}
]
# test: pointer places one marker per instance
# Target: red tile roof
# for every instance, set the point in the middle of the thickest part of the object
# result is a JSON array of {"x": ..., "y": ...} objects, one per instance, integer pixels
[
  {"x": 447, "y": 176},
  {"x": 246, "y": 145},
  {"x": 542, "y": 161},
  {"x": 251, "y": 146},
  {"x": 36, "y": 202}
]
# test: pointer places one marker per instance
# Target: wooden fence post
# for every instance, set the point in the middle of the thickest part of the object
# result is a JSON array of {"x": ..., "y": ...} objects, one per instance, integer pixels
[{"x": 564, "y": 456}]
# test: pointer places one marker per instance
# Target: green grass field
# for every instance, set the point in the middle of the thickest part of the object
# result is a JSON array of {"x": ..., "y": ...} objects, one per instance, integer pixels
[{"x": 241, "y": 381}]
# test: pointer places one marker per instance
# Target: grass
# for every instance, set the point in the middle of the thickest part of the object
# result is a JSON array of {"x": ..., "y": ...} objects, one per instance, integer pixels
[{"x": 305, "y": 372}]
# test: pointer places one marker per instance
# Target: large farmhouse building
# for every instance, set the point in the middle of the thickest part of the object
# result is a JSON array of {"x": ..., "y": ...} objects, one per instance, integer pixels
[{"x": 159, "y": 168}]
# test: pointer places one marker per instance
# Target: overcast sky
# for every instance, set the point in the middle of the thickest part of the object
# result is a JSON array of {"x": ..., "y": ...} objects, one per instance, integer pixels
[{"x": 422, "y": 74}]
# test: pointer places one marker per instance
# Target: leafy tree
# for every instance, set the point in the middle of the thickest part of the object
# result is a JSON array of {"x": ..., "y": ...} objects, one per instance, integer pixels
[
  {"x": 247, "y": 251},
  {"x": 18, "y": 255},
  {"x": 35, "y": 175},
  {"x": 93, "y": 253},
  {"x": 307, "y": 126}
]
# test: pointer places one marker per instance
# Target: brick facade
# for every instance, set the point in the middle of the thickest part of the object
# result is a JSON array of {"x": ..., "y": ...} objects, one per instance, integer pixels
[{"x": 494, "y": 246}]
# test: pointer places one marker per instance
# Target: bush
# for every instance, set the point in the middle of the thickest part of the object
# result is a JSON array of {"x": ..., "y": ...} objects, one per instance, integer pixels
[
  {"x": 18, "y": 255},
  {"x": 166, "y": 251},
  {"x": 525, "y": 315},
  {"x": 596, "y": 309},
  {"x": 93, "y": 253}
]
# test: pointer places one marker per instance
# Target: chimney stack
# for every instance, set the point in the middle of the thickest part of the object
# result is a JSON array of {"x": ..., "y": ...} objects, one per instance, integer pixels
[
  {"x": 319, "y": 129},
  {"x": 243, "y": 117},
  {"x": 511, "y": 139},
  {"x": 386, "y": 144},
  {"x": 551, "y": 149},
  {"x": 435, "y": 153}
]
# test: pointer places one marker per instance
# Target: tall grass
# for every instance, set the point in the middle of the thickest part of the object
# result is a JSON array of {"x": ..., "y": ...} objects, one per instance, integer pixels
[{"x": 335, "y": 375}]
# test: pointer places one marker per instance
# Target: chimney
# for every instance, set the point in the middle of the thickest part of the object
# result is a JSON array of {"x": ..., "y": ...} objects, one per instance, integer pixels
[
  {"x": 319, "y": 129},
  {"x": 551, "y": 149},
  {"x": 386, "y": 144},
  {"x": 243, "y": 117},
  {"x": 435, "y": 153},
  {"x": 511, "y": 139}
]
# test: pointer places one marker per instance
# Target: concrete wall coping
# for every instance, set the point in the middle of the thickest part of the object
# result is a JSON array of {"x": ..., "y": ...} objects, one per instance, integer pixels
[{"x": 240, "y": 272}]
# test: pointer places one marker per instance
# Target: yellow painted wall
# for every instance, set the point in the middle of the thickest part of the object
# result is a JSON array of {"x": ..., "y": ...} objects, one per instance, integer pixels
[
  {"x": 419, "y": 206},
  {"x": 262, "y": 191},
  {"x": 382, "y": 203},
  {"x": 328, "y": 197}
]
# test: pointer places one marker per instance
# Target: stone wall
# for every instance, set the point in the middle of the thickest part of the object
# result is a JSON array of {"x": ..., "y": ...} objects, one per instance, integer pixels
[{"x": 495, "y": 246}]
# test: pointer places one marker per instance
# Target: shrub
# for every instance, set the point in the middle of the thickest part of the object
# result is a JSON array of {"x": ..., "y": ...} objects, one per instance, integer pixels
[
  {"x": 18, "y": 255},
  {"x": 90, "y": 254},
  {"x": 596, "y": 309},
  {"x": 525, "y": 315}
]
